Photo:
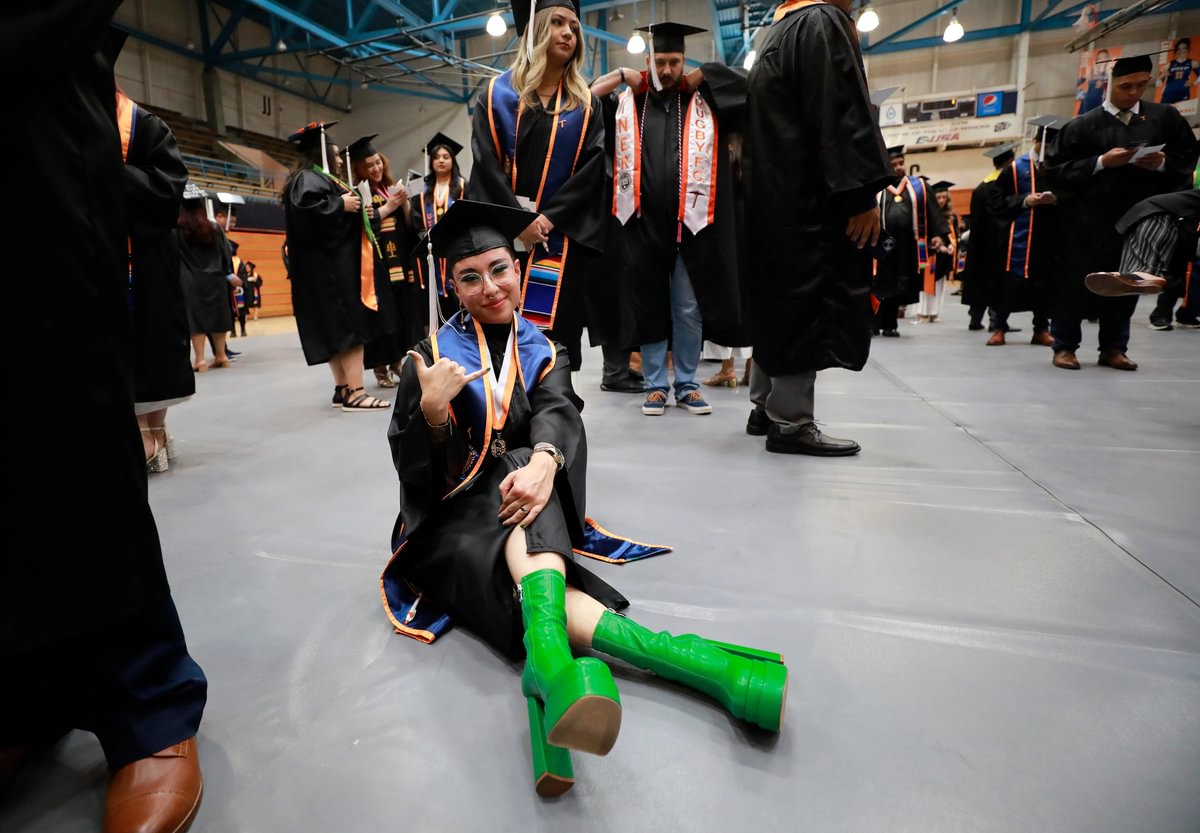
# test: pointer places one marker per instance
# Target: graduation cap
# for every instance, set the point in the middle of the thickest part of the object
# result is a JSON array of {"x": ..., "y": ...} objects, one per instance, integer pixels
[
  {"x": 307, "y": 137},
  {"x": 441, "y": 140},
  {"x": 1132, "y": 64},
  {"x": 668, "y": 36},
  {"x": 523, "y": 12},
  {"x": 362, "y": 148},
  {"x": 895, "y": 151},
  {"x": 1002, "y": 154},
  {"x": 880, "y": 96},
  {"x": 1047, "y": 126},
  {"x": 469, "y": 228},
  {"x": 941, "y": 185}
]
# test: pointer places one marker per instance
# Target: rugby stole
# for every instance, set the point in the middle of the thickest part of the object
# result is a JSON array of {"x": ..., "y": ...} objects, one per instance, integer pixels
[
  {"x": 387, "y": 237},
  {"x": 544, "y": 267},
  {"x": 1020, "y": 234},
  {"x": 698, "y": 164}
]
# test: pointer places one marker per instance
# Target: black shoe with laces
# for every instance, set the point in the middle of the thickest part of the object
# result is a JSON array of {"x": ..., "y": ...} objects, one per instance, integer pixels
[
  {"x": 1160, "y": 322},
  {"x": 809, "y": 440},
  {"x": 758, "y": 423}
]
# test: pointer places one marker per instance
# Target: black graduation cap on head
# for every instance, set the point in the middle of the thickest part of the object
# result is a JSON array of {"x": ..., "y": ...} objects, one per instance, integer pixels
[
  {"x": 441, "y": 140},
  {"x": 941, "y": 185},
  {"x": 1002, "y": 154},
  {"x": 1132, "y": 64},
  {"x": 310, "y": 135},
  {"x": 669, "y": 36},
  {"x": 1047, "y": 126},
  {"x": 524, "y": 9},
  {"x": 469, "y": 228},
  {"x": 362, "y": 148},
  {"x": 895, "y": 150}
]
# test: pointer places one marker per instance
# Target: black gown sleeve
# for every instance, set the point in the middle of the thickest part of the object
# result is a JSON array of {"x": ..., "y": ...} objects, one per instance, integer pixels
[
  {"x": 488, "y": 181},
  {"x": 1004, "y": 202},
  {"x": 1181, "y": 149},
  {"x": 725, "y": 89},
  {"x": 833, "y": 90},
  {"x": 1071, "y": 163},
  {"x": 154, "y": 177},
  {"x": 315, "y": 208},
  {"x": 579, "y": 209},
  {"x": 556, "y": 409},
  {"x": 422, "y": 465}
]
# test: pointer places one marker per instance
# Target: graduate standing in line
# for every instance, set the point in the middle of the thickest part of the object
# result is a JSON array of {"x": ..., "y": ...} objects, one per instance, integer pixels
[
  {"x": 989, "y": 239},
  {"x": 945, "y": 257},
  {"x": 911, "y": 215},
  {"x": 537, "y": 141},
  {"x": 1102, "y": 164},
  {"x": 1020, "y": 198},
  {"x": 673, "y": 196},
  {"x": 815, "y": 160},
  {"x": 443, "y": 185}
]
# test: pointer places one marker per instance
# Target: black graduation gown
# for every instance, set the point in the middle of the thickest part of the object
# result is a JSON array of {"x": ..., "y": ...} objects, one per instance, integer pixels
[
  {"x": 74, "y": 213},
  {"x": 448, "y": 302},
  {"x": 580, "y": 209},
  {"x": 203, "y": 271},
  {"x": 1184, "y": 208},
  {"x": 324, "y": 250},
  {"x": 646, "y": 245},
  {"x": 387, "y": 349},
  {"x": 455, "y": 548},
  {"x": 1012, "y": 290},
  {"x": 1092, "y": 203},
  {"x": 989, "y": 236},
  {"x": 814, "y": 158},
  {"x": 154, "y": 180},
  {"x": 896, "y": 276}
]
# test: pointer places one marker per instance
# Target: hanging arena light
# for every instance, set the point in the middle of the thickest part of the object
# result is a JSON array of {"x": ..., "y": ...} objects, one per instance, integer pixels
[
  {"x": 868, "y": 21},
  {"x": 636, "y": 45},
  {"x": 954, "y": 31},
  {"x": 496, "y": 26}
]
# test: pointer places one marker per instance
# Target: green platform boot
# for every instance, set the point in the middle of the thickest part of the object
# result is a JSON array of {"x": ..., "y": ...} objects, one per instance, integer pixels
[
  {"x": 573, "y": 703},
  {"x": 752, "y": 684}
]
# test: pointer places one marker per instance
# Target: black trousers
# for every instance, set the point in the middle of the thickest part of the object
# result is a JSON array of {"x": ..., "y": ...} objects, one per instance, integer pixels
[
  {"x": 132, "y": 684},
  {"x": 885, "y": 316}
]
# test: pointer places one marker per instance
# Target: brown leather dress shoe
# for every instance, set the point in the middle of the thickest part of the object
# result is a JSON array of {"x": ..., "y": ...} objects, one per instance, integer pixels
[
  {"x": 997, "y": 339},
  {"x": 1116, "y": 360},
  {"x": 158, "y": 794},
  {"x": 1116, "y": 284},
  {"x": 1065, "y": 359},
  {"x": 1042, "y": 338}
]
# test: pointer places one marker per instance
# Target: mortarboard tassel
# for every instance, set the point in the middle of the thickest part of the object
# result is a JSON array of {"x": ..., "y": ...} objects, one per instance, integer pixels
[{"x": 324, "y": 151}]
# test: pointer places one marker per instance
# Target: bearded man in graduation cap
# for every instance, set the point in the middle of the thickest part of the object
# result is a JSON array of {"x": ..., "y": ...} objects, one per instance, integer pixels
[
  {"x": 673, "y": 199},
  {"x": 1103, "y": 163},
  {"x": 489, "y": 444}
]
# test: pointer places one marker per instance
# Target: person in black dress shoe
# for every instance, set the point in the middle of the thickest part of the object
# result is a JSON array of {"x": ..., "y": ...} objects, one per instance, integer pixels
[{"x": 814, "y": 160}]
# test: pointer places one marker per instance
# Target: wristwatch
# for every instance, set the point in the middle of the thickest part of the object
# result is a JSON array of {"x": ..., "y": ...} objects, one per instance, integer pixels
[{"x": 559, "y": 459}]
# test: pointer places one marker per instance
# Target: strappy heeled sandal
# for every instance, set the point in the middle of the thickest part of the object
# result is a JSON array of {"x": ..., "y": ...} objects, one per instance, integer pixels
[
  {"x": 339, "y": 395},
  {"x": 363, "y": 402},
  {"x": 383, "y": 378},
  {"x": 156, "y": 462}
]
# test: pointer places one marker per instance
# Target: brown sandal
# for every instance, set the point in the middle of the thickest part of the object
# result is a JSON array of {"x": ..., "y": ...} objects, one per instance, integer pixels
[{"x": 363, "y": 402}]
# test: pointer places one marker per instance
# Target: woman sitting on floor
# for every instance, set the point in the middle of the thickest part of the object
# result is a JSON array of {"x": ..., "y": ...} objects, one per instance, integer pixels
[{"x": 489, "y": 445}]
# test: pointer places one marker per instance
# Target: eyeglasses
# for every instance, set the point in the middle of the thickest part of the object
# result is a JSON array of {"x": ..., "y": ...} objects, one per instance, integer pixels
[{"x": 471, "y": 283}]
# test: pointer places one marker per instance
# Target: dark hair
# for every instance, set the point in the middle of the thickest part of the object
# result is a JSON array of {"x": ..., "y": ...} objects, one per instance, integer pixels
[
  {"x": 308, "y": 157},
  {"x": 194, "y": 222},
  {"x": 1183, "y": 42},
  {"x": 455, "y": 174}
]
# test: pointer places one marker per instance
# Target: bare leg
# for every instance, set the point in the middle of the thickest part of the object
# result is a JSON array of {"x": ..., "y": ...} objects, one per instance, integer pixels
[
  {"x": 583, "y": 612},
  {"x": 198, "y": 342},
  {"x": 148, "y": 445},
  {"x": 219, "y": 347}
]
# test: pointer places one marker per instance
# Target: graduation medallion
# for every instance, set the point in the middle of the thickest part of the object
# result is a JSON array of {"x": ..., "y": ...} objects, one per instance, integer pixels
[
  {"x": 898, "y": 198},
  {"x": 499, "y": 447}
]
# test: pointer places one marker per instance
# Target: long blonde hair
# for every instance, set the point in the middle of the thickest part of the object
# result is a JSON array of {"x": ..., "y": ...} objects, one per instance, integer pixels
[{"x": 527, "y": 74}]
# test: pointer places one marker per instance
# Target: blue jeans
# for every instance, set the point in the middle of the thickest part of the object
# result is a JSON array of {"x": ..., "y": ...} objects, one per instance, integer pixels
[{"x": 687, "y": 339}]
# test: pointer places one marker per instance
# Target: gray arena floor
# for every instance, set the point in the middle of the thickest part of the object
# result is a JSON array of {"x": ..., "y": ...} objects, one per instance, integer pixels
[{"x": 991, "y": 617}]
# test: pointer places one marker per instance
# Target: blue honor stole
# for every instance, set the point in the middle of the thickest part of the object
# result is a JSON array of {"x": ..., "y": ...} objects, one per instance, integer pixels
[
  {"x": 1020, "y": 234},
  {"x": 430, "y": 218},
  {"x": 920, "y": 198},
  {"x": 473, "y": 411},
  {"x": 543, "y": 273}
]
